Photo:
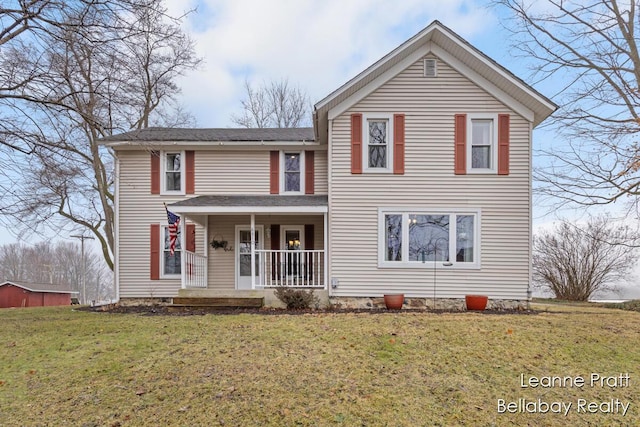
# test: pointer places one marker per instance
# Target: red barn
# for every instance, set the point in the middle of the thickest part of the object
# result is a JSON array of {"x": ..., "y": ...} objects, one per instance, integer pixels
[{"x": 24, "y": 294}]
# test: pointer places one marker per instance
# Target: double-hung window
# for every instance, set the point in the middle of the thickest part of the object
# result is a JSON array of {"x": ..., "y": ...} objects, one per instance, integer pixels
[
  {"x": 172, "y": 172},
  {"x": 292, "y": 175},
  {"x": 170, "y": 264},
  {"x": 414, "y": 238},
  {"x": 378, "y": 142},
  {"x": 482, "y": 149}
]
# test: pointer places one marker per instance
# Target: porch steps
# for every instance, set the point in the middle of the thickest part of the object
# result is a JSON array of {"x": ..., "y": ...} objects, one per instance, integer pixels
[{"x": 215, "y": 303}]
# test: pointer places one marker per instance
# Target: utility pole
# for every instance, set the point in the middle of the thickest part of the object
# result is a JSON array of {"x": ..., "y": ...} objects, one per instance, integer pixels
[{"x": 84, "y": 275}]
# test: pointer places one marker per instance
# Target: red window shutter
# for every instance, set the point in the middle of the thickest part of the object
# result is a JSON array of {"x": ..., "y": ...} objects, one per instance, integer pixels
[
  {"x": 191, "y": 237},
  {"x": 503, "y": 144},
  {"x": 398, "y": 144},
  {"x": 309, "y": 244},
  {"x": 275, "y": 246},
  {"x": 155, "y": 172},
  {"x": 460, "y": 150},
  {"x": 274, "y": 172},
  {"x": 309, "y": 238},
  {"x": 356, "y": 143},
  {"x": 309, "y": 172},
  {"x": 275, "y": 237},
  {"x": 154, "y": 254},
  {"x": 190, "y": 171}
]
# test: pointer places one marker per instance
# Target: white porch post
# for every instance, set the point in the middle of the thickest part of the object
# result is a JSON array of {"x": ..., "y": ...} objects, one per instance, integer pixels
[
  {"x": 183, "y": 257},
  {"x": 326, "y": 251},
  {"x": 206, "y": 250},
  {"x": 253, "y": 251}
]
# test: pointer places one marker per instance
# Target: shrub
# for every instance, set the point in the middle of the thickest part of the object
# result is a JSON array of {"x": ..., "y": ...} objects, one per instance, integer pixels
[{"x": 297, "y": 298}]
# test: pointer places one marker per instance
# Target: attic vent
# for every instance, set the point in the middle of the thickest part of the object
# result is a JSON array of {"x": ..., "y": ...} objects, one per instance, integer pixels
[{"x": 430, "y": 68}]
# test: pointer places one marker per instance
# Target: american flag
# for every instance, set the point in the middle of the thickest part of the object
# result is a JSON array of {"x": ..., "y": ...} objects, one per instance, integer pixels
[{"x": 174, "y": 224}]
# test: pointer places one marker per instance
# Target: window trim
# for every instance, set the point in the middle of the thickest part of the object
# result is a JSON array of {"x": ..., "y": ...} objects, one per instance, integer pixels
[
  {"x": 282, "y": 172},
  {"x": 163, "y": 177},
  {"x": 366, "y": 118},
  {"x": 181, "y": 233},
  {"x": 405, "y": 263},
  {"x": 493, "y": 147}
]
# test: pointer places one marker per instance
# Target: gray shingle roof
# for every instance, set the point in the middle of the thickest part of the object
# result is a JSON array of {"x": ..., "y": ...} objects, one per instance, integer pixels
[
  {"x": 254, "y": 201},
  {"x": 157, "y": 134},
  {"x": 40, "y": 287}
]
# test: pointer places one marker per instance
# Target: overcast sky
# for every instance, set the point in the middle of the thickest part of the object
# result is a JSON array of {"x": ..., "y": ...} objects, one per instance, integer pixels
[{"x": 317, "y": 45}]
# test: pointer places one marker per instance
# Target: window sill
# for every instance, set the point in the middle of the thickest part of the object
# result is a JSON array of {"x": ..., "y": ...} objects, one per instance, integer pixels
[
  {"x": 377, "y": 171},
  {"x": 428, "y": 266},
  {"x": 482, "y": 172}
]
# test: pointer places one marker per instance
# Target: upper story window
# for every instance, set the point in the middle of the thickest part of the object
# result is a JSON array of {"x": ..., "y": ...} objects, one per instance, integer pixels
[
  {"x": 417, "y": 238},
  {"x": 377, "y": 147},
  {"x": 292, "y": 175},
  {"x": 172, "y": 173},
  {"x": 482, "y": 149},
  {"x": 378, "y": 143}
]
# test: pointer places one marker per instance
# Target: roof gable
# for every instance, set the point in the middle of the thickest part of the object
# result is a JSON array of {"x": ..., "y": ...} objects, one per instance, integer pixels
[{"x": 458, "y": 53}]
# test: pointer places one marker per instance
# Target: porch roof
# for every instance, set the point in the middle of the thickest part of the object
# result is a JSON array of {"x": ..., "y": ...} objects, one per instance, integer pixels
[{"x": 213, "y": 204}]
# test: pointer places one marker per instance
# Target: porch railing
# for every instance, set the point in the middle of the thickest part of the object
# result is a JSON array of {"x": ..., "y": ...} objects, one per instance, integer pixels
[
  {"x": 194, "y": 270},
  {"x": 304, "y": 269}
]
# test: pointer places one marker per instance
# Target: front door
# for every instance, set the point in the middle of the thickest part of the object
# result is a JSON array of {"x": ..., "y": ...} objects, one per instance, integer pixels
[
  {"x": 243, "y": 256},
  {"x": 292, "y": 242}
]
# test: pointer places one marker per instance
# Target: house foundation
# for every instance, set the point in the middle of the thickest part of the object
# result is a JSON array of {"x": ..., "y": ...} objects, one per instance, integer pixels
[{"x": 447, "y": 304}]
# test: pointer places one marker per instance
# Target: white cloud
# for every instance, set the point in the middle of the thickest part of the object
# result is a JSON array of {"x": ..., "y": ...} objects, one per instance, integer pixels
[{"x": 316, "y": 44}]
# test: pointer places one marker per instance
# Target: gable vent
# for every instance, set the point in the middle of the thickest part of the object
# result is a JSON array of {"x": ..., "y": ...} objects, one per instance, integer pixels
[{"x": 430, "y": 68}]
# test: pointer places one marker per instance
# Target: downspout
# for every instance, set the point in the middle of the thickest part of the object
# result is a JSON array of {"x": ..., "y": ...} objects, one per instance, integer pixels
[
  {"x": 116, "y": 208},
  {"x": 327, "y": 218},
  {"x": 530, "y": 250}
]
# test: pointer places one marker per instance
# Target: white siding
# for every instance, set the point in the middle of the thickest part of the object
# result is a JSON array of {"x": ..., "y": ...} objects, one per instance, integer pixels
[
  {"x": 429, "y": 182},
  {"x": 216, "y": 172},
  {"x": 244, "y": 172},
  {"x": 138, "y": 210},
  {"x": 232, "y": 172},
  {"x": 221, "y": 262},
  {"x": 321, "y": 170}
]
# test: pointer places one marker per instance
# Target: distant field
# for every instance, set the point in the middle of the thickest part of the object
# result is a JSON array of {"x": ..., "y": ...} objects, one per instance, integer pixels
[{"x": 64, "y": 367}]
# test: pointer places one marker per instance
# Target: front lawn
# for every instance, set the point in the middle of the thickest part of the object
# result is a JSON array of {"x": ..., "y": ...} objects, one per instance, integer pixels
[{"x": 64, "y": 367}]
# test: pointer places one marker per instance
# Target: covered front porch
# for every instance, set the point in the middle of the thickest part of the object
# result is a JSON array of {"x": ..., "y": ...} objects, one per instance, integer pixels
[{"x": 246, "y": 243}]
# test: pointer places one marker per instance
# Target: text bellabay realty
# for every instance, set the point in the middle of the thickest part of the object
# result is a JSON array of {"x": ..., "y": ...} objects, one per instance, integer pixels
[{"x": 581, "y": 406}]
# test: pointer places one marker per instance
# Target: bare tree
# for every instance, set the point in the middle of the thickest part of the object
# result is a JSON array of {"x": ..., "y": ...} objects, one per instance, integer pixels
[
  {"x": 99, "y": 80},
  {"x": 59, "y": 263},
  {"x": 576, "y": 262},
  {"x": 590, "y": 49},
  {"x": 274, "y": 105},
  {"x": 27, "y": 30}
]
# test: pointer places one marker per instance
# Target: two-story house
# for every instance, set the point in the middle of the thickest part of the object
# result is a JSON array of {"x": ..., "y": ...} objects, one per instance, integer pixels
[{"x": 415, "y": 179}]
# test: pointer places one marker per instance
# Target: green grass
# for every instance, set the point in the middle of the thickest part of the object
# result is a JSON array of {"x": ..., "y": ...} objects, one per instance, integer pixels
[{"x": 65, "y": 367}]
